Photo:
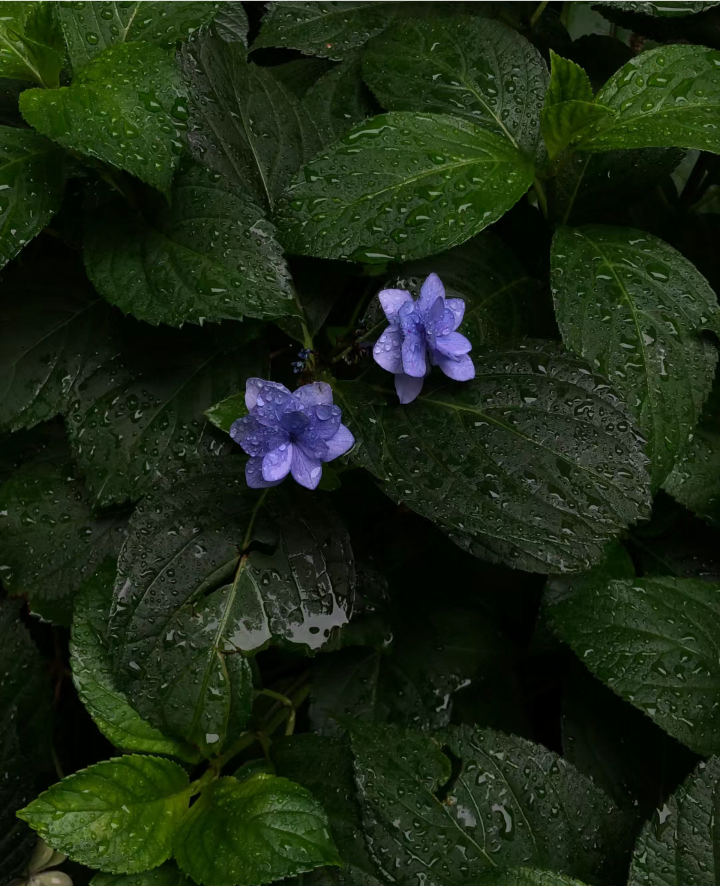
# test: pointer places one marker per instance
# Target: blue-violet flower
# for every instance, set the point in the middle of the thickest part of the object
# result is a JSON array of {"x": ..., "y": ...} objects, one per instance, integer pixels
[
  {"x": 289, "y": 432},
  {"x": 422, "y": 334}
]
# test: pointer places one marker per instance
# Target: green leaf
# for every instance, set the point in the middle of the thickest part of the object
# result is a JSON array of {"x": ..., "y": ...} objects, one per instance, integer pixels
[
  {"x": 231, "y": 22},
  {"x": 91, "y": 27},
  {"x": 567, "y": 122},
  {"x": 50, "y": 542},
  {"x": 534, "y": 463},
  {"x": 227, "y": 411},
  {"x": 31, "y": 47},
  {"x": 124, "y": 107},
  {"x": 253, "y": 832},
  {"x": 166, "y": 875},
  {"x": 192, "y": 599},
  {"x": 96, "y": 815},
  {"x": 510, "y": 803},
  {"x": 679, "y": 844},
  {"x": 338, "y": 100},
  {"x": 634, "y": 308},
  {"x": 16, "y": 789},
  {"x": 50, "y": 337},
  {"x": 244, "y": 123},
  {"x": 526, "y": 877},
  {"x": 662, "y": 98},
  {"x": 663, "y": 8},
  {"x": 299, "y": 74},
  {"x": 208, "y": 256},
  {"x": 92, "y": 675},
  {"x": 326, "y": 28},
  {"x": 140, "y": 415},
  {"x": 568, "y": 82},
  {"x": 402, "y": 186},
  {"x": 658, "y": 646},
  {"x": 32, "y": 181},
  {"x": 473, "y": 68}
]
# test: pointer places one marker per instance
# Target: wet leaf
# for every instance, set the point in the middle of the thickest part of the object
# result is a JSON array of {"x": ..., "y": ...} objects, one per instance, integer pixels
[
  {"x": 31, "y": 46},
  {"x": 526, "y": 877},
  {"x": 227, "y": 411},
  {"x": 253, "y": 832},
  {"x": 124, "y": 107},
  {"x": 193, "y": 598},
  {"x": 166, "y": 875},
  {"x": 231, "y": 22},
  {"x": 208, "y": 256},
  {"x": 664, "y": 8},
  {"x": 338, "y": 100},
  {"x": 95, "y": 815},
  {"x": 634, "y": 308},
  {"x": 401, "y": 186}
]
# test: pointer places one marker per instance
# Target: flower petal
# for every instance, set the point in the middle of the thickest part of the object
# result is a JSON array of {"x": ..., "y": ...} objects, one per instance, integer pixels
[
  {"x": 387, "y": 350},
  {"x": 306, "y": 471},
  {"x": 254, "y": 477},
  {"x": 392, "y": 300},
  {"x": 319, "y": 393},
  {"x": 413, "y": 355},
  {"x": 457, "y": 306},
  {"x": 276, "y": 464},
  {"x": 240, "y": 428},
  {"x": 453, "y": 345},
  {"x": 325, "y": 420},
  {"x": 342, "y": 442},
  {"x": 253, "y": 386},
  {"x": 263, "y": 440},
  {"x": 407, "y": 387},
  {"x": 457, "y": 368},
  {"x": 270, "y": 400},
  {"x": 430, "y": 291},
  {"x": 312, "y": 445}
]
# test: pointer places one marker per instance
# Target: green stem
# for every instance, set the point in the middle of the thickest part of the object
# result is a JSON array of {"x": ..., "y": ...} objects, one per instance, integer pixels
[
  {"x": 538, "y": 12},
  {"x": 283, "y": 699},
  {"x": 542, "y": 199},
  {"x": 307, "y": 338},
  {"x": 209, "y": 776},
  {"x": 343, "y": 354}
]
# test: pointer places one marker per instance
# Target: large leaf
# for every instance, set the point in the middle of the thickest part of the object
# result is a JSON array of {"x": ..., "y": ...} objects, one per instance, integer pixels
[
  {"x": 667, "y": 97},
  {"x": 92, "y": 674},
  {"x": 509, "y": 802},
  {"x": 535, "y": 463},
  {"x": 473, "y": 68},
  {"x": 634, "y": 308},
  {"x": 140, "y": 415},
  {"x": 254, "y": 832},
  {"x": 402, "y": 186},
  {"x": 31, "y": 45},
  {"x": 51, "y": 335},
  {"x": 526, "y": 877},
  {"x": 32, "y": 181},
  {"x": 50, "y": 542},
  {"x": 91, "y": 27},
  {"x": 190, "y": 603},
  {"x": 658, "y": 646},
  {"x": 679, "y": 845},
  {"x": 16, "y": 789},
  {"x": 244, "y": 123},
  {"x": 338, "y": 100},
  {"x": 124, "y": 107},
  {"x": 166, "y": 875},
  {"x": 96, "y": 815},
  {"x": 207, "y": 256}
]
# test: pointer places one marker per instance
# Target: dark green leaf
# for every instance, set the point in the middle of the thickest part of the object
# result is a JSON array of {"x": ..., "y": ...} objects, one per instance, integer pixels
[
  {"x": 50, "y": 542},
  {"x": 16, "y": 789},
  {"x": 526, "y": 877},
  {"x": 51, "y": 336},
  {"x": 244, "y": 123},
  {"x": 140, "y": 415},
  {"x": 31, "y": 45},
  {"x": 227, "y": 411},
  {"x": 634, "y": 308},
  {"x": 190, "y": 603},
  {"x": 510, "y": 802},
  {"x": 231, "y": 22},
  {"x": 300, "y": 74},
  {"x": 534, "y": 464},
  {"x": 402, "y": 186},
  {"x": 337, "y": 101},
  {"x": 32, "y": 181},
  {"x": 473, "y": 68},
  {"x": 92, "y": 675},
  {"x": 667, "y": 97},
  {"x": 124, "y": 107},
  {"x": 253, "y": 832},
  {"x": 96, "y": 815},
  {"x": 91, "y": 27},
  {"x": 207, "y": 256},
  {"x": 167, "y": 875},
  {"x": 669, "y": 8},
  {"x": 658, "y": 647}
]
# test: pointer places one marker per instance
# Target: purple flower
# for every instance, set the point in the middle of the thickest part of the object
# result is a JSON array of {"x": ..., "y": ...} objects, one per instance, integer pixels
[
  {"x": 422, "y": 334},
  {"x": 289, "y": 433}
]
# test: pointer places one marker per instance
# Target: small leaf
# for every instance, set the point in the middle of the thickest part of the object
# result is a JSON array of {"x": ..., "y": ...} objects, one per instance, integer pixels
[
  {"x": 244, "y": 123},
  {"x": 634, "y": 308},
  {"x": 31, "y": 46},
  {"x": 50, "y": 542},
  {"x": 166, "y": 875},
  {"x": 567, "y": 122},
  {"x": 338, "y": 100},
  {"x": 253, "y": 832},
  {"x": 470, "y": 67},
  {"x": 92, "y": 675},
  {"x": 192, "y": 602},
  {"x": 568, "y": 82},
  {"x": 124, "y": 107},
  {"x": 231, "y": 22},
  {"x": 91, "y": 27},
  {"x": 208, "y": 256},
  {"x": 662, "y": 98},
  {"x": 32, "y": 181},
  {"x": 94, "y": 816},
  {"x": 658, "y": 648},
  {"x": 401, "y": 186},
  {"x": 227, "y": 411}
]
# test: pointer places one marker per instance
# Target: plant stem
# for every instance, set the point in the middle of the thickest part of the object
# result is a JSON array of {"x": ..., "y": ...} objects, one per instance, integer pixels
[
  {"x": 542, "y": 199},
  {"x": 538, "y": 12}
]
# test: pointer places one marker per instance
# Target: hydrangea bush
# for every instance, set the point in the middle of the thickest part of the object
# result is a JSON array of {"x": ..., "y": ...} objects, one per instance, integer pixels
[{"x": 359, "y": 443}]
